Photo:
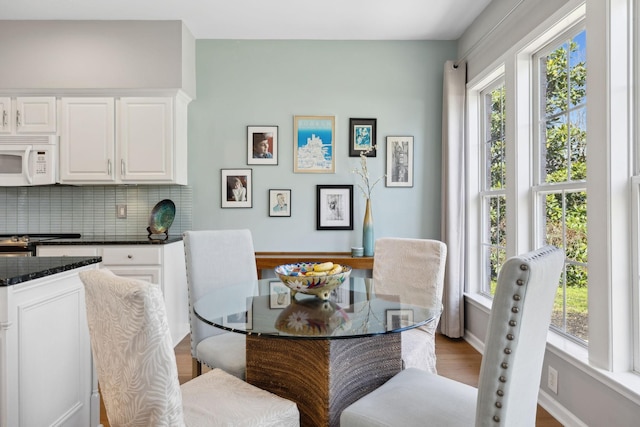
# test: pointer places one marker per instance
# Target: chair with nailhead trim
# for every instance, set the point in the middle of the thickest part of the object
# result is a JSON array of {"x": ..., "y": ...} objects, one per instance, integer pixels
[
  {"x": 511, "y": 367},
  {"x": 215, "y": 258}
]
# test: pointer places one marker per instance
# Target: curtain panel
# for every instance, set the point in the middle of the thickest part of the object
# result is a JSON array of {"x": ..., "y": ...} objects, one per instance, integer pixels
[{"x": 453, "y": 197}]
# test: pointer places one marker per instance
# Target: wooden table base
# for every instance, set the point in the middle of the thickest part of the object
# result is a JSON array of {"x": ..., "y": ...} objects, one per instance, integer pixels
[{"x": 322, "y": 376}]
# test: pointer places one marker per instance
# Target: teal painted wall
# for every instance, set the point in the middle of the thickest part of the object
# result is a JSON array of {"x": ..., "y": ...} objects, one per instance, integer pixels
[{"x": 243, "y": 83}]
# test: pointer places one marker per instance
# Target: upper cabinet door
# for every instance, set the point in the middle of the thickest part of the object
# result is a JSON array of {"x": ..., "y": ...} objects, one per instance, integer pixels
[
  {"x": 35, "y": 114},
  {"x": 87, "y": 140},
  {"x": 146, "y": 143},
  {"x": 6, "y": 116}
]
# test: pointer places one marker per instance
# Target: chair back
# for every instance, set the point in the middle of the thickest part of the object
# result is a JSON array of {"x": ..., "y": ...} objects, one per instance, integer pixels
[
  {"x": 132, "y": 350},
  {"x": 215, "y": 258},
  {"x": 516, "y": 338},
  {"x": 413, "y": 268}
]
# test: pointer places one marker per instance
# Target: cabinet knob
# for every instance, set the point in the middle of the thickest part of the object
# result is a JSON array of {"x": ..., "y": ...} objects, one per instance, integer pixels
[{"x": 130, "y": 256}]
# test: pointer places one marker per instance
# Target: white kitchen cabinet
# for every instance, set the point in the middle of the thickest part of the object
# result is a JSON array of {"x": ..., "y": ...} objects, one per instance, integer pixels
[
  {"x": 45, "y": 354},
  {"x": 128, "y": 140},
  {"x": 87, "y": 140},
  {"x": 162, "y": 264},
  {"x": 28, "y": 114},
  {"x": 5, "y": 115}
]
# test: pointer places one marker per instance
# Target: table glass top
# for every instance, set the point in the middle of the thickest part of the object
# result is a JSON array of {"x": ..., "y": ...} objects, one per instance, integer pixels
[{"x": 266, "y": 307}]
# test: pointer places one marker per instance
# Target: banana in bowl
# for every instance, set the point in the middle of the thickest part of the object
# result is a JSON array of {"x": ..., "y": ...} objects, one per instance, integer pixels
[{"x": 315, "y": 278}]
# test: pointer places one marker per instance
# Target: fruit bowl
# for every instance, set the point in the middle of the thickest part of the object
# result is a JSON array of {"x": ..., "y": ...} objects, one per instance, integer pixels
[{"x": 305, "y": 278}]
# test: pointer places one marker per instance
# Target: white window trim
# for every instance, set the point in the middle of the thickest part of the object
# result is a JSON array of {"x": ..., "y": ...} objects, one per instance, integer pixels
[{"x": 475, "y": 171}]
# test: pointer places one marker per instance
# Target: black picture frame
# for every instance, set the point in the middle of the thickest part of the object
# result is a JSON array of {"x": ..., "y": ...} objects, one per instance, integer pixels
[
  {"x": 399, "y": 318},
  {"x": 234, "y": 199},
  {"x": 279, "y": 202},
  {"x": 334, "y": 207},
  {"x": 362, "y": 137},
  {"x": 255, "y": 134}
]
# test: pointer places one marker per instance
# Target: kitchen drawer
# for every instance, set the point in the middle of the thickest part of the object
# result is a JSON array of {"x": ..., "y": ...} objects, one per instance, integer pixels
[
  {"x": 148, "y": 274},
  {"x": 71, "y": 250},
  {"x": 131, "y": 256}
]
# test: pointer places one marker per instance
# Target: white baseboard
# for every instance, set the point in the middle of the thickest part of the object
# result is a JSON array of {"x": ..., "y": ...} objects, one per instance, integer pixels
[
  {"x": 558, "y": 411},
  {"x": 474, "y": 341},
  {"x": 545, "y": 400}
]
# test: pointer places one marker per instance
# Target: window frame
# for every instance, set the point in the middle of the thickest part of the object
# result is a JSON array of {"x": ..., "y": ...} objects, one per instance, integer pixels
[
  {"x": 486, "y": 193},
  {"x": 540, "y": 188}
]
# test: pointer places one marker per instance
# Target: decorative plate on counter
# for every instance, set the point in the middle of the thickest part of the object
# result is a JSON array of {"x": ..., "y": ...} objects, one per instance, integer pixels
[{"x": 162, "y": 216}]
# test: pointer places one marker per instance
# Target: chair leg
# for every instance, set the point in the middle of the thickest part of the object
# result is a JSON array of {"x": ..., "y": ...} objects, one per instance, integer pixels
[{"x": 196, "y": 367}]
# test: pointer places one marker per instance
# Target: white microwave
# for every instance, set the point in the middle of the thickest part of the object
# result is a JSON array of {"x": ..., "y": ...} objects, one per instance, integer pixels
[{"x": 27, "y": 160}]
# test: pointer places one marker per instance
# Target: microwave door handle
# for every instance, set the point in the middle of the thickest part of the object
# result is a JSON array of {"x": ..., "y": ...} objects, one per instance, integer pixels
[{"x": 25, "y": 164}]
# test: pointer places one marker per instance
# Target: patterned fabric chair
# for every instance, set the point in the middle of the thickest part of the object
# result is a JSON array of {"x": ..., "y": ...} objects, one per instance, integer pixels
[
  {"x": 507, "y": 391},
  {"x": 137, "y": 369},
  {"x": 413, "y": 268},
  {"x": 215, "y": 258}
]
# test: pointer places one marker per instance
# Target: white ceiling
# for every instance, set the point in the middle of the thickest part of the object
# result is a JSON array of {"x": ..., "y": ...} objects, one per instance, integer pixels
[{"x": 273, "y": 19}]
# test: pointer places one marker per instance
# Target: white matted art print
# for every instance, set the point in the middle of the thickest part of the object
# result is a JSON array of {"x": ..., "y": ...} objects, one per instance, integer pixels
[
  {"x": 334, "y": 207},
  {"x": 242, "y": 320},
  {"x": 279, "y": 294},
  {"x": 236, "y": 189},
  {"x": 399, "y": 161},
  {"x": 262, "y": 145},
  {"x": 279, "y": 202}
]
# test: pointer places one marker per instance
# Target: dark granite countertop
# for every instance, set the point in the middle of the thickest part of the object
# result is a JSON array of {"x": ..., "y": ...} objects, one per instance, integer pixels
[
  {"x": 141, "y": 239},
  {"x": 14, "y": 270}
]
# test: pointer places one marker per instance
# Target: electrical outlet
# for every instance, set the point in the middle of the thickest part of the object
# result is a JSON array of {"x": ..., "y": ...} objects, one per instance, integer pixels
[
  {"x": 552, "y": 380},
  {"x": 121, "y": 211}
]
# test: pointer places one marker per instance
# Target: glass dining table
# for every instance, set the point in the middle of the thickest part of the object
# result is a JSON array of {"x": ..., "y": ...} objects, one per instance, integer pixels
[{"x": 322, "y": 354}]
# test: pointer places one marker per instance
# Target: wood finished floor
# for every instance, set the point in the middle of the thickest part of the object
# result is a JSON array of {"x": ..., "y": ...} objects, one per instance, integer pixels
[{"x": 456, "y": 359}]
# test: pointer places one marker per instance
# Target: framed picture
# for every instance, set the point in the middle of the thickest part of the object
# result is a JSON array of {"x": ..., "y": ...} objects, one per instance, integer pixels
[
  {"x": 242, "y": 320},
  {"x": 362, "y": 137},
  {"x": 397, "y": 319},
  {"x": 399, "y": 161},
  {"x": 237, "y": 187},
  {"x": 314, "y": 144},
  {"x": 334, "y": 207},
  {"x": 262, "y": 145},
  {"x": 279, "y": 202},
  {"x": 279, "y": 295},
  {"x": 343, "y": 296}
]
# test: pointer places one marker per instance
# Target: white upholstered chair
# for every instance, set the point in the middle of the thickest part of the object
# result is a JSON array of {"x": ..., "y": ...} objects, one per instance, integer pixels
[
  {"x": 217, "y": 258},
  {"x": 511, "y": 366},
  {"x": 413, "y": 268},
  {"x": 137, "y": 370}
]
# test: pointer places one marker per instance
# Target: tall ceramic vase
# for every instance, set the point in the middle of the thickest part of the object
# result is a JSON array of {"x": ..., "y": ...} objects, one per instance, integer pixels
[{"x": 367, "y": 231}]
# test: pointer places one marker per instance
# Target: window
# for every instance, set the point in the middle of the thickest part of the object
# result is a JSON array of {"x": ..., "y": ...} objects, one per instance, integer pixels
[
  {"x": 493, "y": 180},
  {"x": 560, "y": 192}
]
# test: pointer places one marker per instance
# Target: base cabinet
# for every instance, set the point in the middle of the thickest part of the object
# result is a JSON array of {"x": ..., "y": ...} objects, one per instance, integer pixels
[
  {"x": 163, "y": 265},
  {"x": 46, "y": 369}
]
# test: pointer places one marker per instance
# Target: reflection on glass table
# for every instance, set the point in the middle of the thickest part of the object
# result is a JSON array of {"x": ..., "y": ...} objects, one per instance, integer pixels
[
  {"x": 266, "y": 307},
  {"x": 322, "y": 354}
]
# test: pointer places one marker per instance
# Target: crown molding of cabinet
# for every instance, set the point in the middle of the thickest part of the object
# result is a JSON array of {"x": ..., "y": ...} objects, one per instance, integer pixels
[{"x": 112, "y": 92}]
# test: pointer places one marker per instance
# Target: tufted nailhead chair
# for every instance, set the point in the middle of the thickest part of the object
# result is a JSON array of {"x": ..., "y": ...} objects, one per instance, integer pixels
[
  {"x": 137, "y": 370},
  {"x": 511, "y": 364},
  {"x": 217, "y": 258}
]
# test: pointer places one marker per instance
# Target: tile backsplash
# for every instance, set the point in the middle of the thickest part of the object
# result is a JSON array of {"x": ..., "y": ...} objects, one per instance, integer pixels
[{"x": 90, "y": 210}]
